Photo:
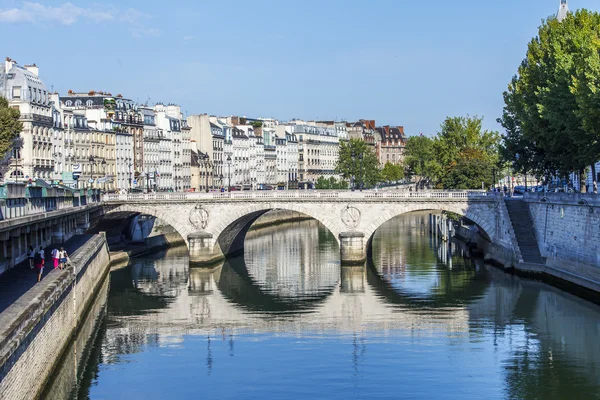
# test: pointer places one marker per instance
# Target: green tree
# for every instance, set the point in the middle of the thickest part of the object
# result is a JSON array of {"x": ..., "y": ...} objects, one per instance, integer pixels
[
  {"x": 420, "y": 159},
  {"x": 442, "y": 159},
  {"x": 471, "y": 169},
  {"x": 357, "y": 161},
  {"x": 460, "y": 134},
  {"x": 10, "y": 126},
  {"x": 323, "y": 183},
  {"x": 392, "y": 172},
  {"x": 551, "y": 112}
]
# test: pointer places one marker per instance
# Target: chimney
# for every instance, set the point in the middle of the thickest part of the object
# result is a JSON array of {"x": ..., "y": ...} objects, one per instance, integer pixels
[
  {"x": 7, "y": 64},
  {"x": 33, "y": 69}
]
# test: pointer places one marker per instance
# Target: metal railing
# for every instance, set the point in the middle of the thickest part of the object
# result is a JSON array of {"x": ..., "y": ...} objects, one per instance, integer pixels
[{"x": 300, "y": 194}]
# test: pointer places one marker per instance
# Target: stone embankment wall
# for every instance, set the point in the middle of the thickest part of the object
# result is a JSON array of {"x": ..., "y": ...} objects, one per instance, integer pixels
[
  {"x": 567, "y": 228},
  {"x": 69, "y": 374},
  {"x": 37, "y": 328}
]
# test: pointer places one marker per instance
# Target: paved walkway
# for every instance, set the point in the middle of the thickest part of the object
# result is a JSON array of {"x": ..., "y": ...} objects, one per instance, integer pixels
[{"x": 18, "y": 280}]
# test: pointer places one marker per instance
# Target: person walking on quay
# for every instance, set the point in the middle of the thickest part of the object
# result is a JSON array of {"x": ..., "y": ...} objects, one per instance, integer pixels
[
  {"x": 63, "y": 257},
  {"x": 42, "y": 253},
  {"x": 39, "y": 264},
  {"x": 55, "y": 257},
  {"x": 595, "y": 187},
  {"x": 31, "y": 256}
]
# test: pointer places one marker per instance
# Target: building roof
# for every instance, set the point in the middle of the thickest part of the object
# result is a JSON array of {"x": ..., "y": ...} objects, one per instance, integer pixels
[{"x": 13, "y": 75}]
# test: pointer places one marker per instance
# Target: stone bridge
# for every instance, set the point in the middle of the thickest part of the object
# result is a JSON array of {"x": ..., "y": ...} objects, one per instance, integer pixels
[{"x": 214, "y": 225}]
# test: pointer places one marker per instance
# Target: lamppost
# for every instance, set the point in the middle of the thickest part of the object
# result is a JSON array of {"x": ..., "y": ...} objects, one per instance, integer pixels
[
  {"x": 360, "y": 157},
  {"x": 353, "y": 185},
  {"x": 92, "y": 164},
  {"x": 229, "y": 173},
  {"x": 493, "y": 179},
  {"x": 221, "y": 180},
  {"x": 207, "y": 165},
  {"x": 103, "y": 163},
  {"x": 129, "y": 164}
]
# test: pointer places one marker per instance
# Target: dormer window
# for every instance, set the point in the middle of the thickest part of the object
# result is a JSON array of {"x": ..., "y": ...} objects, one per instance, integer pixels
[
  {"x": 89, "y": 103},
  {"x": 16, "y": 92}
]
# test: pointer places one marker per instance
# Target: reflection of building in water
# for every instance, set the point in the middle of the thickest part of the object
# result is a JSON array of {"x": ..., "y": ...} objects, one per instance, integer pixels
[
  {"x": 291, "y": 260},
  {"x": 465, "y": 305},
  {"x": 394, "y": 238}
]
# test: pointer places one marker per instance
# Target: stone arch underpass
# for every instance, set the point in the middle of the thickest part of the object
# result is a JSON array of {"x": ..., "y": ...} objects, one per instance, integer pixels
[{"x": 216, "y": 228}]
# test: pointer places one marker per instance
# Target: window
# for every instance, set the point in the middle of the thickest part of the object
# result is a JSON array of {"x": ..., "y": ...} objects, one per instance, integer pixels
[{"x": 16, "y": 94}]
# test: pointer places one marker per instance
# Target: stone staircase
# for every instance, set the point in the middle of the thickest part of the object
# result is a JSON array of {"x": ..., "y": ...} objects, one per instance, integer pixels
[{"x": 523, "y": 228}]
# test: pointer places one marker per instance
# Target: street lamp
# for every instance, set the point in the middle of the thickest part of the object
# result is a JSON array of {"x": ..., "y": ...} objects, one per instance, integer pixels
[
  {"x": 229, "y": 173},
  {"x": 207, "y": 165},
  {"x": 92, "y": 163},
  {"x": 103, "y": 163},
  {"x": 129, "y": 164},
  {"x": 353, "y": 177},
  {"x": 360, "y": 157}
]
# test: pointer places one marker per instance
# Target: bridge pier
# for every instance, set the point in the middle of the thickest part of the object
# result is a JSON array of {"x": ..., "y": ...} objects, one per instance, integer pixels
[
  {"x": 353, "y": 248},
  {"x": 202, "y": 249},
  {"x": 354, "y": 278}
]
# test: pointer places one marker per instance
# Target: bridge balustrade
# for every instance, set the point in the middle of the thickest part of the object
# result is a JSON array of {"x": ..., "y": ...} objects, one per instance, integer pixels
[{"x": 300, "y": 194}]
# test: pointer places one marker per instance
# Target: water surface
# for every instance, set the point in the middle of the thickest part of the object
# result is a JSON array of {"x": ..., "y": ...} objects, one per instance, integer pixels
[{"x": 286, "y": 321}]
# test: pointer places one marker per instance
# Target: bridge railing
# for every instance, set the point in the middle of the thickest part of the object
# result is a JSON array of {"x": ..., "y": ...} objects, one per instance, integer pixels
[{"x": 300, "y": 194}]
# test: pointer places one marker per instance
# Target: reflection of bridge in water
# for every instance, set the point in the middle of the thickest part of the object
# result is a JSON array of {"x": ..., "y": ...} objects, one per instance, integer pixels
[{"x": 268, "y": 294}]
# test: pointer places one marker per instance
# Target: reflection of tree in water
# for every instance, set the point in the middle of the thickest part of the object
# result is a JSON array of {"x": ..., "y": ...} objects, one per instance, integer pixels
[
  {"x": 536, "y": 373},
  {"x": 406, "y": 269}
]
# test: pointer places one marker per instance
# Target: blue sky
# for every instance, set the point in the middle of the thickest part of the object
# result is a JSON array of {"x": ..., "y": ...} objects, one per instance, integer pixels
[{"x": 399, "y": 62}]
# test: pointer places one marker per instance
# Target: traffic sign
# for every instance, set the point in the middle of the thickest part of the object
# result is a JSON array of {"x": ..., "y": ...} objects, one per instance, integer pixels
[{"x": 135, "y": 181}]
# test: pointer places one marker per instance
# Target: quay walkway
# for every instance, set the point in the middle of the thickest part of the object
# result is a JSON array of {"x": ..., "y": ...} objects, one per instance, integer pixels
[{"x": 17, "y": 281}]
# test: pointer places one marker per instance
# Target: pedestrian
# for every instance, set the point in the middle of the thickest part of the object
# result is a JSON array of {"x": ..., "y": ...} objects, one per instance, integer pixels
[
  {"x": 31, "y": 256},
  {"x": 39, "y": 264},
  {"x": 55, "y": 257},
  {"x": 595, "y": 187},
  {"x": 42, "y": 253},
  {"x": 63, "y": 256}
]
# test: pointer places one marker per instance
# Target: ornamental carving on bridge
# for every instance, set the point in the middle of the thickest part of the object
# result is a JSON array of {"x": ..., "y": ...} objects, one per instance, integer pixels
[
  {"x": 199, "y": 217},
  {"x": 351, "y": 216}
]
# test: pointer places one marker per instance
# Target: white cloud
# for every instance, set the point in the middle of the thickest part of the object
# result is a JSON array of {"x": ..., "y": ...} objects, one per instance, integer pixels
[
  {"x": 66, "y": 14},
  {"x": 69, "y": 14},
  {"x": 143, "y": 31}
]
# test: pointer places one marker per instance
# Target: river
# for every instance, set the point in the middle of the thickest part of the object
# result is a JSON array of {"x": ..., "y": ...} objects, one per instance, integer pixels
[{"x": 286, "y": 321}]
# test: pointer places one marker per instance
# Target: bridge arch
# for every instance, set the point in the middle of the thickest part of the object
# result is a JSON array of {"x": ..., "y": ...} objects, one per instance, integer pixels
[
  {"x": 157, "y": 212},
  {"x": 230, "y": 229},
  {"x": 482, "y": 214}
]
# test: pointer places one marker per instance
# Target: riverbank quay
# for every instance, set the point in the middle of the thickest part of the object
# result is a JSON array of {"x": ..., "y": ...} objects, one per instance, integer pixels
[
  {"x": 37, "y": 328},
  {"x": 38, "y": 214},
  {"x": 553, "y": 237},
  {"x": 18, "y": 280}
]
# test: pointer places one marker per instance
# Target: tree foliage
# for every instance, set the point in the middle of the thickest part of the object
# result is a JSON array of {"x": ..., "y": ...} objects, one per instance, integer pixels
[
  {"x": 358, "y": 163},
  {"x": 461, "y": 156},
  {"x": 10, "y": 126},
  {"x": 470, "y": 170},
  {"x": 552, "y": 105},
  {"x": 331, "y": 183},
  {"x": 420, "y": 159},
  {"x": 392, "y": 172}
]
